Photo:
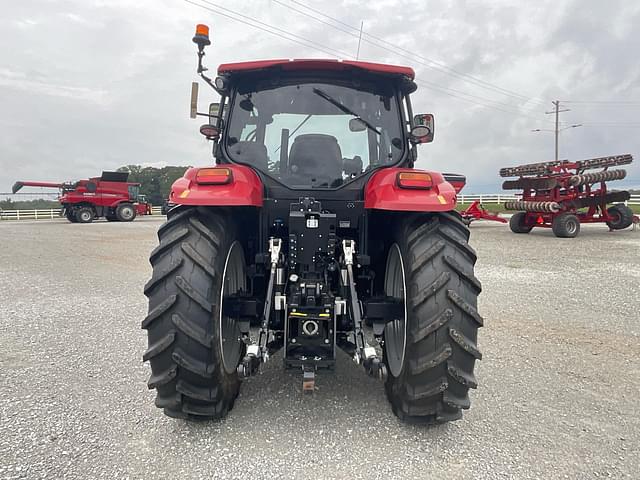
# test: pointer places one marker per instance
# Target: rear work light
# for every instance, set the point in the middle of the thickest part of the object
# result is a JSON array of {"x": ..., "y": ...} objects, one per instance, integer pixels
[
  {"x": 417, "y": 180},
  {"x": 214, "y": 176}
]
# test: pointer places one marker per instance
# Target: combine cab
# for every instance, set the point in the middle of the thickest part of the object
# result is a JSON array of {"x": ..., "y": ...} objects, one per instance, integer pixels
[
  {"x": 560, "y": 195},
  {"x": 312, "y": 233},
  {"x": 109, "y": 196}
]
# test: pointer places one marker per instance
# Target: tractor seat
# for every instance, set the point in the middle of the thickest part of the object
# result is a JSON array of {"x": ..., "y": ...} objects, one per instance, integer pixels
[
  {"x": 251, "y": 153},
  {"x": 316, "y": 156}
]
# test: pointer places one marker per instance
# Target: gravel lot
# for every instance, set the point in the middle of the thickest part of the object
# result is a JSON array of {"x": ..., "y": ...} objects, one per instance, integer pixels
[{"x": 558, "y": 395}]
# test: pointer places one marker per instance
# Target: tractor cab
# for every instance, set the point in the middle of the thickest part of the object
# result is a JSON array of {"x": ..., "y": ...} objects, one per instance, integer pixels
[
  {"x": 315, "y": 124},
  {"x": 309, "y": 134},
  {"x": 312, "y": 124}
]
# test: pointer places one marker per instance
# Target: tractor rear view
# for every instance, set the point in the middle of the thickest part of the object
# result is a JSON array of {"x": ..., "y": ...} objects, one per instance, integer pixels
[
  {"x": 313, "y": 233},
  {"x": 560, "y": 195},
  {"x": 109, "y": 196}
]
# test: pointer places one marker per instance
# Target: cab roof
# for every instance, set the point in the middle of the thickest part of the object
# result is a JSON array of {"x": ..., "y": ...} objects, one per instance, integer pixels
[{"x": 315, "y": 64}]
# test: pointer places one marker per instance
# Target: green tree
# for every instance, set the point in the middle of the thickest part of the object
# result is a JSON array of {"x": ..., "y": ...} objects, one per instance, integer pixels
[{"x": 155, "y": 183}]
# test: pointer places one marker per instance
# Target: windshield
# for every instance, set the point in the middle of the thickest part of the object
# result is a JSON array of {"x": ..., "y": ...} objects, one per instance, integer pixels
[{"x": 315, "y": 135}]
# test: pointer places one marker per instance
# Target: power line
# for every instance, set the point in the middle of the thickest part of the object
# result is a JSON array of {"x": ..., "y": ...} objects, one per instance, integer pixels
[
  {"x": 265, "y": 27},
  {"x": 441, "y": 89},
  {"x": 612, "y": 125},
  {"x": 617, "y": 103},
  {"x": 427, "y": 62},
  {"x": 460, "y": 92},
  {"x": 311, "y": 44},
  {"x": 286, "y": 35}
]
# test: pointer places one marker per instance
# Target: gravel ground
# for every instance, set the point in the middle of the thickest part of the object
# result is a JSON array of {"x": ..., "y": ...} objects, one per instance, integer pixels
[{"x": 558, "y": 395}]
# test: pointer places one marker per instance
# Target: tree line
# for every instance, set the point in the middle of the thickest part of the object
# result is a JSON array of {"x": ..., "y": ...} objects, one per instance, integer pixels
[{"x": 154, "y": 182}]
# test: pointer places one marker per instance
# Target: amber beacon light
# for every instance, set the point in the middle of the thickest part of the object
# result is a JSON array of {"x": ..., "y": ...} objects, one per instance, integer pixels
[{"x": 201, "y": 38}]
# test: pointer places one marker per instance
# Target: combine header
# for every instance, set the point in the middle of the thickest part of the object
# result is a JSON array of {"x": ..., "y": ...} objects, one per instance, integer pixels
[
  {"x": 109, "y": 196},
  {"x": 561, "y": 196}
]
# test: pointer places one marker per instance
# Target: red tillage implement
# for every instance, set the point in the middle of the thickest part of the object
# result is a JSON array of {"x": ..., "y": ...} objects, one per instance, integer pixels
[
  {"x": 476, "y": 211},
  {"x": 561, "y": 196}
]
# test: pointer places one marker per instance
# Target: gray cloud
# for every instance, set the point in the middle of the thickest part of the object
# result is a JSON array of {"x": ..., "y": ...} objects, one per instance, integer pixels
[{"x": 92, "y": 85}]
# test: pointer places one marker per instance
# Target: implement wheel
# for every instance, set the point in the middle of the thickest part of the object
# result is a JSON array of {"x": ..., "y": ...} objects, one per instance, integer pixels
[
  {"x": 566, "y": 225},
  {"x": 430, "y": 353},
  {"x": 517, "y": 223},
  {"x": 193, "y": 349},
  {"x": 621, "y": 217}
]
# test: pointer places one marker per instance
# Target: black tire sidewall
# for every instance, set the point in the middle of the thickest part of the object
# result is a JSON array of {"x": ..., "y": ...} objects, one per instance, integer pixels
[
  {"x": 624, "y": 217},
  {"x": 84, "y": 210},
  {"x": 122, "y": 207}
]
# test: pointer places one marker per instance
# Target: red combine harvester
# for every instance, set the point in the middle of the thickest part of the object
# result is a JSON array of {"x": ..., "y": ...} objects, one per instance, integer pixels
[
  {"x": 314, "y": 228},
  {"x": 560, "y": 195},
  {"x": 109, "y": 196}
]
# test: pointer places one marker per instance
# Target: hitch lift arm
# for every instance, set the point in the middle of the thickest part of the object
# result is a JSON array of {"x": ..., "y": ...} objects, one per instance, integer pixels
[
  {"x": 364, "y": 353},
  {"x": 259, "y": 353}
]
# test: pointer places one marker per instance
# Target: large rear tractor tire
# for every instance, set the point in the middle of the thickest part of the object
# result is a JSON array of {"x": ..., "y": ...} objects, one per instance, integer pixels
[
  {"x": 125, "y": 212},
  {"x": 193, "y": 350},
  {"x": 431, "y": 352},
  {"x": 566, "y": 225},
  {"x": 621, "y": 216},
  {"x": 517, "y": 223}
]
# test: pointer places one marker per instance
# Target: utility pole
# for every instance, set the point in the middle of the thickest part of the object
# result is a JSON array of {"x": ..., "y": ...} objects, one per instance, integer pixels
[{"x": 557, "y": 111}]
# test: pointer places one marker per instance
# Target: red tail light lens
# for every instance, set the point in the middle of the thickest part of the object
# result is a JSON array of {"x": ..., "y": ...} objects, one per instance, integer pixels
[
  {"x": 418, "y": 180},
  {"x": 214, "y": 176}
]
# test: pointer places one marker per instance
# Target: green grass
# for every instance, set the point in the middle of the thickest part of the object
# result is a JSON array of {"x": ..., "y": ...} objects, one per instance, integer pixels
[{"x": 492, "y": 207}]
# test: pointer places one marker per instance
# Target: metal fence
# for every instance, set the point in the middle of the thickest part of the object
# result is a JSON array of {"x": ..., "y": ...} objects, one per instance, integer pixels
[
  {"x": 41, "y": 214},
  {"x": 500, "y": 198},
  {"x": 50, "y": 213}
]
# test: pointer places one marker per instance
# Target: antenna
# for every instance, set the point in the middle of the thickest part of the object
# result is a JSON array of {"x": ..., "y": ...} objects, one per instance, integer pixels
[{"x": 359, "y": 40}]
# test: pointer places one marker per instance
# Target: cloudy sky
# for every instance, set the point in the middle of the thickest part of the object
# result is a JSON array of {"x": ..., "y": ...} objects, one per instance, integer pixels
[{"x": 87, "y": 85}]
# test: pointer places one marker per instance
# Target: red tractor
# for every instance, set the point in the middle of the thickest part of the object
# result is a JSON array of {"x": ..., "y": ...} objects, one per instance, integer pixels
[
  {"x": 109, "y": 196},
  {"x": 312, "y": 233},
  {"x": 560, "y": 195}
]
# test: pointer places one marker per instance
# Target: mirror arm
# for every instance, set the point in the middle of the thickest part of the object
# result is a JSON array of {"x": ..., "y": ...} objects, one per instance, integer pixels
[
  {"x": 202, "y": 69},
  {"x": 211, "y": 84}
]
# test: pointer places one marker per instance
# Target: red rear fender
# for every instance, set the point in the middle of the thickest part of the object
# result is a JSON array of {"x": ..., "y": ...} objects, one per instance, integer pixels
[
  {"x": 456, "y": 180},
  {"x": 383, "y": 193},
  {"x": 244, "y": 189}
]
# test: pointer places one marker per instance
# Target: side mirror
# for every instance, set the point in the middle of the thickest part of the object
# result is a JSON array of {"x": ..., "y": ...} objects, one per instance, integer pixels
[
  {"x": 214, "y": 112},
  {"x": 423, "y": 128},
  {"x": 194, "y": 100}
]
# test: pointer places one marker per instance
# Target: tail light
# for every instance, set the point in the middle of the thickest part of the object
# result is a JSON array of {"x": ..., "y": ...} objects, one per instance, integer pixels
[
  {"x": 214, "y": 176},
  {"x": 419, "y": 180}
]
